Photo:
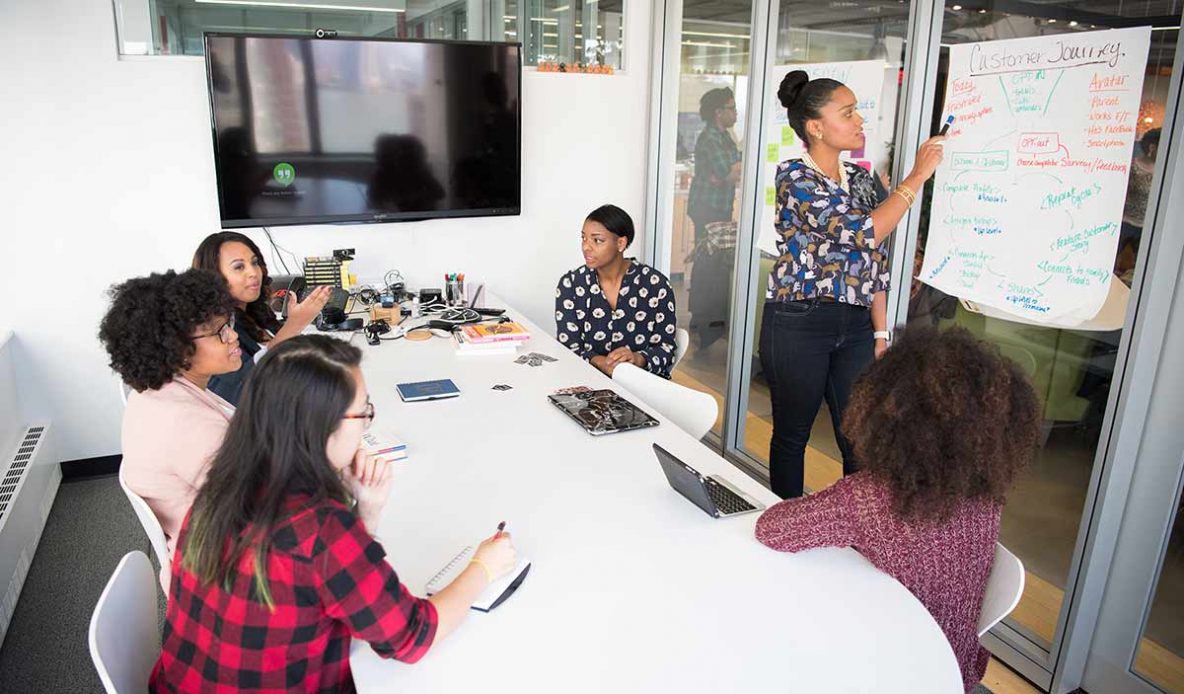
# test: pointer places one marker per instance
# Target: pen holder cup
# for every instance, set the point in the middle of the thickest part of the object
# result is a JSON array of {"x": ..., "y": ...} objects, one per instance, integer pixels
[{"x": 455, "y": 292}]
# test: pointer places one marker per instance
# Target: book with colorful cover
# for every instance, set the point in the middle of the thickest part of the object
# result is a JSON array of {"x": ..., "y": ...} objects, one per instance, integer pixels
[
  {"x": 383, "y": 445},
  {"x": 509, "y": 331},
  {"x": 464, "y": 345}
]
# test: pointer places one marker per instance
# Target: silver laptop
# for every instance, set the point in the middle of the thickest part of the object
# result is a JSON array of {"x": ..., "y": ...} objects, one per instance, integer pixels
[{"x": 715, "y": 495}]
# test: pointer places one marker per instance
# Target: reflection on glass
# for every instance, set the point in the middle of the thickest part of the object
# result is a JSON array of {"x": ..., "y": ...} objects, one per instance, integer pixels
[
  {"x": 713, "y": 88},
  {"x": 574, "y": 32},
  {"x": 862, "y": 45},
  {"x": 1072, "y": 369},
  {"x": 1161, "y": 650}
]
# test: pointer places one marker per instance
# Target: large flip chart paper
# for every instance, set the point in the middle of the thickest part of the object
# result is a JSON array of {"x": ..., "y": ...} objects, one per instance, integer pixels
[{"x": 1028, "y": 201}]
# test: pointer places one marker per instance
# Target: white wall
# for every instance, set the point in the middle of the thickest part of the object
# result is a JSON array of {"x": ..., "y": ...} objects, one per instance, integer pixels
[{"x": 107, "y": 172}]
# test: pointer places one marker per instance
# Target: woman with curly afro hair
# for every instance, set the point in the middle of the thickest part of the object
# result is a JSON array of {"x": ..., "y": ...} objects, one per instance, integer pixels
[
  {"x": 167, "y": 335},
  {"x": 941, "y": 425}
]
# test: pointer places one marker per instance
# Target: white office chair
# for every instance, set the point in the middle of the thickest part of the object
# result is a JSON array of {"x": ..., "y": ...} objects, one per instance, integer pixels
[
  {"x": 682, "y": 339},
  {"x": 124, "y": 638},
  {"x": 151, "y": 526},
  {"x": 693, "y": 411},
  {"x": 124, "y": 389},
  {"x": 1005, "y": 585}
]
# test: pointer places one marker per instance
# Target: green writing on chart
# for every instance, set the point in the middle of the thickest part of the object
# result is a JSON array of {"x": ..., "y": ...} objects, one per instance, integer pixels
[{"x": 997, "y": 160}]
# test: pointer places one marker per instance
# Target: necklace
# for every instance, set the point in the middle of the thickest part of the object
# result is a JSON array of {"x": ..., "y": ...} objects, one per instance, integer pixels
[{"x": 814, "y": 165}]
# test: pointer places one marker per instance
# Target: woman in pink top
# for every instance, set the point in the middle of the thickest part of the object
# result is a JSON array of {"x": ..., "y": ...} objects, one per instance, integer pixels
[
  {"x": 167, "y": 334},
  {"x": 940, "y": 425}
]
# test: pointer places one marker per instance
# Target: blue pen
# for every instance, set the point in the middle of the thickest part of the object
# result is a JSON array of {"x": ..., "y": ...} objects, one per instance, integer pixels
[{"x": 946, "y": 126}]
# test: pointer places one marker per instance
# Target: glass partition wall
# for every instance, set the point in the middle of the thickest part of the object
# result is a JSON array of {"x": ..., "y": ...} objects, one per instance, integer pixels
[{"x": 894, "y": 54}]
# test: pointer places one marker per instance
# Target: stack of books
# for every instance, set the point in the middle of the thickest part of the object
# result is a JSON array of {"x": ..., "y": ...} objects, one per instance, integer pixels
[
  {"x": 489, "y": 338},
  {"x": 383, "y": 445}
]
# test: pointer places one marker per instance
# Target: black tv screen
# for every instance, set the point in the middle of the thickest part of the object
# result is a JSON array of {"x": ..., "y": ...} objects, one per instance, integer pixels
[{"x": 309, "y": 131}]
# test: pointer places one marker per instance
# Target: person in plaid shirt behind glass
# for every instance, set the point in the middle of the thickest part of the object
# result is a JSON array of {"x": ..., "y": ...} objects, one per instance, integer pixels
[{"x": 275, "y": 570}]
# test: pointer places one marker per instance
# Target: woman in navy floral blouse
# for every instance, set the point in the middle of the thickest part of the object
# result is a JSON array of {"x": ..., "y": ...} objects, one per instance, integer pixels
[
  {"x": 816, "y": 333},
  {"x": 613, "y": 309}
]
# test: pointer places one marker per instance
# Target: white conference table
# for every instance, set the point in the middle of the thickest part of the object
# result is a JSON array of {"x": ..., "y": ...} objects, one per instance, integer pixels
[{"x": 632, "y": 588}]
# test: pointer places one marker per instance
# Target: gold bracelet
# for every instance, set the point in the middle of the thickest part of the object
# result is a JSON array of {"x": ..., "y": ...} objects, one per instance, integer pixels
[
  {"x": 485, "y": 568},
  {"x": 908, "y": 192},
  {"x": 907, "y": 201}
]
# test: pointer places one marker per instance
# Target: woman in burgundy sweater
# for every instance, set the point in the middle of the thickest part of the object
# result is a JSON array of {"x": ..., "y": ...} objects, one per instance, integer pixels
[{"x": 940, "y": 427}]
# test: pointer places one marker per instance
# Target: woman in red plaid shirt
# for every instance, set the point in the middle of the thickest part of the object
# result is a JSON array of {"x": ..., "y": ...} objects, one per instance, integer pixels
[{"x": 276, "y": 569}]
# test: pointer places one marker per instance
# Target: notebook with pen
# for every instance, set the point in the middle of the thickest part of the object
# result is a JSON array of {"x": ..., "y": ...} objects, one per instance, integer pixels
[{"x": 495, "y": 593}]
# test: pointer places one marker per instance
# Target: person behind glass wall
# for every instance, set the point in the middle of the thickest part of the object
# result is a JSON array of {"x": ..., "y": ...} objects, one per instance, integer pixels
[
  {"x": 816, "y": 333},
  {"x": 236, "y": 258},
  {"x": 167, "y": 336},
  {"x": 277, "y": 568},
  {"x": 710, "y": 200},
  {"x": 612, "y": 309},
  {"x": 942, "y": 424}
]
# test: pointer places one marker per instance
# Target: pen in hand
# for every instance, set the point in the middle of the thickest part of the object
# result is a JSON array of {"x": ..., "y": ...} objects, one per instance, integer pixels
[{"x": 500, "y": 527}]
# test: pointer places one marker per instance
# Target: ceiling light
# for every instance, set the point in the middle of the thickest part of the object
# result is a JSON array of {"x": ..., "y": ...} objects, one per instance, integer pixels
[
  {"x": 1052, "y": 21},
  {"x": 1073, "y": 23},
  {"x": 956, "y": 8},
  {"x": 302, "y": 5}
]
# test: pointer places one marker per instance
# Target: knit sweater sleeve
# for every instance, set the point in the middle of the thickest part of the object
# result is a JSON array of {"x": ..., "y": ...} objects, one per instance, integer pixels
[{"x": 825, "y": 519}]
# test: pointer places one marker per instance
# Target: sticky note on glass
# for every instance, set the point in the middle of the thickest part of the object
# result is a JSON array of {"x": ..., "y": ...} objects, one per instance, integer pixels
[
  {"x": 786, "y": 135},
  {"x": 774, "y": 153},
  {"x": 771, "y": 196}
]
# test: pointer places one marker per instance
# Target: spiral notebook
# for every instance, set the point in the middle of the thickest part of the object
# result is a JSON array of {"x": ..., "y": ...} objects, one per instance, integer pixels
[{"x": 495, "y": 593}]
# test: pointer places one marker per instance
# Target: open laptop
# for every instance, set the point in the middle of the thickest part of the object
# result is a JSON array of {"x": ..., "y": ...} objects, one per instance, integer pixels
[
  {"x": 602, "y": 411},
  {"x": 715, "y": 495}
]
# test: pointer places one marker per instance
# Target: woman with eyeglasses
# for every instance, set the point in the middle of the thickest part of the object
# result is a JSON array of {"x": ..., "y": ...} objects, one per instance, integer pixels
[
  {"x": 237, "y": 259},
  {"x": 167, "y": 335},
  {"x": 277, "y": 569}
]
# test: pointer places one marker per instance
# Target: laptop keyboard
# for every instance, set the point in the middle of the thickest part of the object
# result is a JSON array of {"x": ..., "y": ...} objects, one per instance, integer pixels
[{"x": 726, "y": 501}]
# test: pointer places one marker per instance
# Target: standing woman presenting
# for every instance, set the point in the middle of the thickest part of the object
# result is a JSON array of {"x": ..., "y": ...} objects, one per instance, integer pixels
[{"x": 816, "y": 334}]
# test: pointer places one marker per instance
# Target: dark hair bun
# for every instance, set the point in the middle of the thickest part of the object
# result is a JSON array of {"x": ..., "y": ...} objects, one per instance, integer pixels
[{"x": 791, "y": 87}]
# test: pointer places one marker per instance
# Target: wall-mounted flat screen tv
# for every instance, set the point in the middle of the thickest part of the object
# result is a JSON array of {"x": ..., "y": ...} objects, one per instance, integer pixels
[{"x": 312, "y": 131}]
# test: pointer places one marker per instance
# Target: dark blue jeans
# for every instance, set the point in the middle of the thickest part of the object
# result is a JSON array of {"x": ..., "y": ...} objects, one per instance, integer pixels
[{"x": 810, "y": 350}]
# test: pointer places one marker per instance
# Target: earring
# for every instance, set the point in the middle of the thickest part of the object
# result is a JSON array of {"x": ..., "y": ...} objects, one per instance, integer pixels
[{"x": 818, "y": 136}]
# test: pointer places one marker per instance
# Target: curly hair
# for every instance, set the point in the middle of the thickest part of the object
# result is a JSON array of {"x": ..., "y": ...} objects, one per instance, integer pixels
[
  {"x": 148, "y": 330},
  {"x": 942, "y": 418},
  {"x": 258, "y": 316}
]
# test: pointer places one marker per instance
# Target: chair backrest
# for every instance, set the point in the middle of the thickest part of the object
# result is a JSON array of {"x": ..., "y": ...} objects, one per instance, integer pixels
[
  {"x": 693, "y": 411},
  {"x": 124, "y": 389},
  {"x": 124, "y": 637},
  {"x": 151, "y": 526},
  {"x": 682, "y": 339},
  {"x": 1005, "y": 585}
]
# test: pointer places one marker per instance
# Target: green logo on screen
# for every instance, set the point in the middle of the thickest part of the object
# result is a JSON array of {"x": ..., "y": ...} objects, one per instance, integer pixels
[{"x": 284, "y": 173}]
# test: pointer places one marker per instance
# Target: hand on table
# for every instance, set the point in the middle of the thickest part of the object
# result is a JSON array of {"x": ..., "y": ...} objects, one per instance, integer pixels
[{"x": 498, "y": 555}]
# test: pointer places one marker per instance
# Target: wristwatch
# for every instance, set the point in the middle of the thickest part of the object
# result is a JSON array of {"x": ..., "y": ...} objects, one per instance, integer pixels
[{"x": 884, "y": 335}]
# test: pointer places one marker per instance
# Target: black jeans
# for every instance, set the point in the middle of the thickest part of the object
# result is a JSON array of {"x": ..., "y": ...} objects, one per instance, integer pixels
[{"x": 810, "y": 350}]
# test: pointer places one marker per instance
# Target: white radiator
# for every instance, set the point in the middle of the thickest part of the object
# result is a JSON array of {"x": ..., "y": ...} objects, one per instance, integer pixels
[{"x": 29, "y": 477}]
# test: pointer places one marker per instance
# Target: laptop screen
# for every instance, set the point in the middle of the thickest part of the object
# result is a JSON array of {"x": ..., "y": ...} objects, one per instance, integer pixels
[{"x": 685, "y": 479}]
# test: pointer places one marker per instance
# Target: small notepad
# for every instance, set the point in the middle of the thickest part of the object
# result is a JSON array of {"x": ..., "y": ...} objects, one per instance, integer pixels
[{"x": 495, "y": 593}]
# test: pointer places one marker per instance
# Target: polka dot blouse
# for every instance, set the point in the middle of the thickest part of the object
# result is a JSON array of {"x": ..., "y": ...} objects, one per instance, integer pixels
[{"x": 643, "y": 321}]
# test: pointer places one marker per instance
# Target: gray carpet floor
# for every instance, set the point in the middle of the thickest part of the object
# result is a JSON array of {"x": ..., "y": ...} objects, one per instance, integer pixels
[{"x": 89, "y": 529}]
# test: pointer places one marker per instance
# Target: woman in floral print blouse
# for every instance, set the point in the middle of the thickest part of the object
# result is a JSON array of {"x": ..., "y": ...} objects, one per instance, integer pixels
[
  {"x": 816, "y": 333},
  {"x": 613, "y": 309}
]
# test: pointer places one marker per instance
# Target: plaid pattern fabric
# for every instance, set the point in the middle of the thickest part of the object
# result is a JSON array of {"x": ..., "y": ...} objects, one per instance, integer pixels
[
  {"x": 712, "y": 194},
  {"x": 643, "y": 321},
  {"x": 329, "y": 581},
  {"x": 826, "y": 238}
]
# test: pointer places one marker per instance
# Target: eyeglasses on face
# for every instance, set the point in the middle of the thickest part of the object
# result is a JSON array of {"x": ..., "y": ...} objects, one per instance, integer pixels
[
  {"x": 225, "y": 333},
  {"x": 367, "y": 415}
]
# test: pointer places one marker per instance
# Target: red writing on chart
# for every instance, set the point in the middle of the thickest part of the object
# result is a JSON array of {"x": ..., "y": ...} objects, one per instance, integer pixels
[
  {"x": 1108, "y": 83},
  {"x": 1039, "y": 143}
]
